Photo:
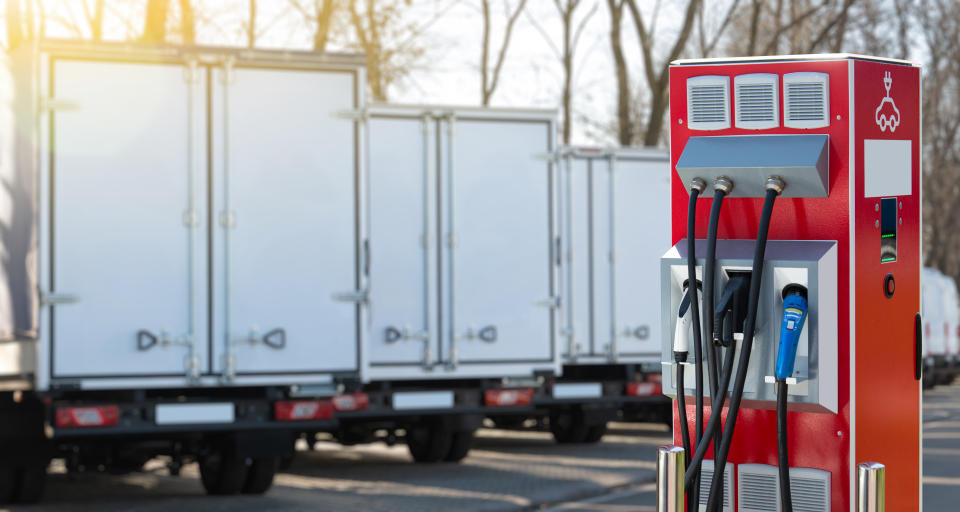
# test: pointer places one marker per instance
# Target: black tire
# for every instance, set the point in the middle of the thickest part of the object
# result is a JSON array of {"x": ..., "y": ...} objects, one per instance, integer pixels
[
  {"x": 9, "y": 482},
  {"x": 568, "y": 429},
  {"x": 595, "y": 433},
  {"x": 32, "y": 479},
  {"x": 459, "y": 446},
  {"x": 260, "y": 475},
  {"x": 429, "y": 442},
  {"x": 221, "y": 474}
]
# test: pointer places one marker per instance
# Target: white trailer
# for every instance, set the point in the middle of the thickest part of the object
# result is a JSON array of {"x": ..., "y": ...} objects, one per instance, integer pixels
[
  {"x": 181, "y": 231},
  {"x": 609, "y": 307},
  {"x": 940, "y": 319},
  {"x": 462, "y": 271}
]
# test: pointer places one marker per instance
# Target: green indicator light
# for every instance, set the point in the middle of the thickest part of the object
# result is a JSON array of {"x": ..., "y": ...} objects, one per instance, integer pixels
[
  {"x": 884, "y": 260},
  {"x": 890, "y": 235}
]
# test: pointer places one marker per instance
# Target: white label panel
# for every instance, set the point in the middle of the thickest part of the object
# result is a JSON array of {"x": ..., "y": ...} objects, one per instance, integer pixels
[
  {"x": 887, "y": 167},
  {"x": 423, "y": 400},
  {"x": 578, "y": 390},
  {"x": 183, "y": 414}
]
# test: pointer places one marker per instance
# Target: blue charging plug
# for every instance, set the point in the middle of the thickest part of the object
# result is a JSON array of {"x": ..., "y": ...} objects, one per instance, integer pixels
[{"x": 794, "y": 314}]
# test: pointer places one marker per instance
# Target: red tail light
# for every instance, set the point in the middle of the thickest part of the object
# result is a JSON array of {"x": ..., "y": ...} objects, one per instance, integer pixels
[
  {"x": 353, "y": 402},
  {"x": 302, "y": 410},
  {"x": 79, "y": 417},
  {"x": 643, "y": 388},
  {"x": 507, "y": 397}
]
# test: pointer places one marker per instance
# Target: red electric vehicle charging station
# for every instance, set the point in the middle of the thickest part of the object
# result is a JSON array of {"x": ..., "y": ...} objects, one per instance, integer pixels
[{"x": 867, "y": 209}]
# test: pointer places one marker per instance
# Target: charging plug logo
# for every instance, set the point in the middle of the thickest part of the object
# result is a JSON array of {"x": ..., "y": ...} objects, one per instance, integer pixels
[{"x": 887, "y": 117}]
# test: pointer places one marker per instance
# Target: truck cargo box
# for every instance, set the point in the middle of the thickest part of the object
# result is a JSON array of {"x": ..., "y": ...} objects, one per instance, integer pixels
[
  {"x": 179, "y": 216},
  {"x": 462, "y": 243}
]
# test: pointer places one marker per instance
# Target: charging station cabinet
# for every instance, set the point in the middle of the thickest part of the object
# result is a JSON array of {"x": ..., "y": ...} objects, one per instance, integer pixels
[{"x": 843, "y": 133}]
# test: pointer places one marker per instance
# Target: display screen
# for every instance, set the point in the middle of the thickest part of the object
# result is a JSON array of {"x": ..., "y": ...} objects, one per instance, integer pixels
[{"x": 888, "y": 230}]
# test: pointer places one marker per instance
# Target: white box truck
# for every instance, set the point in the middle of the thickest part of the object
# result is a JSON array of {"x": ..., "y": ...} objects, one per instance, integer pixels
[
  {"x": 182, "y": 251},
  {"x": 462, "y": 299},
  {"x": 609, "y": 282}
]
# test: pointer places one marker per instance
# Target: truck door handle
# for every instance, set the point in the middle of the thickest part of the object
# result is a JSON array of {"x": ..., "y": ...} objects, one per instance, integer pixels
[
  {"x": 146, "y": 340},
  {"x": 488, "y": 334},
  {"x": 276, "y": 338},
  {"x": 917, "y": 347},
  {"x": 392, "y": 335}
]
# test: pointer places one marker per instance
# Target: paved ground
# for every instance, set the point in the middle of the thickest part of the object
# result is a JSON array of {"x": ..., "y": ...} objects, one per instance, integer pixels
[
  {"x": 941, "y": 448},
  {"x": 507, "y": 470}
]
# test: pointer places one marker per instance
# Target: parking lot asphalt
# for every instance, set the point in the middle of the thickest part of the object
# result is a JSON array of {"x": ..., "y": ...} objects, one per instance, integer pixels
[{"x": 508, "y": 470}]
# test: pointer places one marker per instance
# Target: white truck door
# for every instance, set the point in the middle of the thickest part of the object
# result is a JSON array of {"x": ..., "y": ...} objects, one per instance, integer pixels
[
  {"x": 641, "y": 193},
  {"x": 497, "y": 278},
  {"x": 403, "y": 240},
  {"x": 286, "y": 240},
  {"x": 126, "y": 256}
]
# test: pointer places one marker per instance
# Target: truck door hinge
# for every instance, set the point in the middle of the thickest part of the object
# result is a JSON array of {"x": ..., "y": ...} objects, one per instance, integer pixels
[
  {"x": 549, "y": 302},
  {"x": 358, "y": 296},
  {"x": 53, "y": 299},
  {"x": 228, "y": 219},
  {"x": 48, "y": 104},
  {"x": 354, "y": 115}
]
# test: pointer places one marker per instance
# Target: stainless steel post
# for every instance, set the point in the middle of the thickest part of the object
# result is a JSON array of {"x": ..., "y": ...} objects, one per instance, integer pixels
[
  {"x": 670, "y": 470},
  {"x": 871, "y": 487}
]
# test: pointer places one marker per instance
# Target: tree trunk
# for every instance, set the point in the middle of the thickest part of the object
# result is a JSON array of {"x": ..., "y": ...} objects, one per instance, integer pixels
[
  {"x": 325, "y": 11},
  {"x": 15, "y": 34},
  {"x": 485, "y": 55},
  {"x": 96, "y": 21},
  {"x": 155, "y": 22},
  {"x": 624, "y": 117},
  {"x": 187, "y": 24},
  {"x": 252, "y": 25}
]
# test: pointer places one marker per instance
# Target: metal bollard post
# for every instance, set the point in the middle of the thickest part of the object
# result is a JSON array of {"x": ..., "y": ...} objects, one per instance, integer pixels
[
  {"x": 670, "y": 470},
  {"x": 871, "y": 483}
]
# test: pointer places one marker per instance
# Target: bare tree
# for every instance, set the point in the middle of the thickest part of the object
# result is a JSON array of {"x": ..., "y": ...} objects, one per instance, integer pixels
[
  {"x": 21, "y": 23},
  {"x": 391, "y": 39},
  {"x": 188, "y": 28},
  {"x": 625, "y": 118},
  {"x": 321, "y": 14},
  {"x": 488, "y": 78},
  {"x": 95, "y": 19},
  {"x": 15, "y": 30},
  {"x": 658, "y": 76},
  {"x": 251, "y": 25},
  {"x": 155, "y": 21},
  {"x": 572, "y": 31},
  {"x": 801, "y": 26}
]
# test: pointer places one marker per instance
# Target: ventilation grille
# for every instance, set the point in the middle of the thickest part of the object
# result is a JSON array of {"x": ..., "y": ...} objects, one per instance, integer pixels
[
  {"x": 810, "y": 490},
  {"x": 758, "y": 489},
  {"x": 706, "y": 480},
  {"x": 806, "y": 100},
  {"x": 708, "y": 103},
  {"x": 757, "y": 105}
]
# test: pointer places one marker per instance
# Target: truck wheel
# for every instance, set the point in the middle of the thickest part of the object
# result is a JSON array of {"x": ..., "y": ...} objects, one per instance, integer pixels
[
  {"x": 429, "y": 442},
  {"x": 222, "y": 474},
  {"x": 32, "y": 480},
  {"x": 8, "y": 484},
  {"x": 595, "y": 433},
  {"x": 260, "y": 475},
  {"x": 460, "y": 446},
  {"x": 567, "y": 428}
]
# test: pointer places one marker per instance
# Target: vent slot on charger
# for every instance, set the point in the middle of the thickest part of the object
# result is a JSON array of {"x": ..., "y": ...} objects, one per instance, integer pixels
[
  {"x": 708, "y": 102},
  {"x": 758, "y": 489},
  {"x": 757, "y": 104},
  {"x": 706, "y": 480},
  {"x": 806, "y": 100}
]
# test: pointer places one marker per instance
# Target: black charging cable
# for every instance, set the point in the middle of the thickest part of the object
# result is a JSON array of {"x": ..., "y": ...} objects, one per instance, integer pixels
[
  {"x": 774, "y": 186},
  {"x": 697, "y": 186}
]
